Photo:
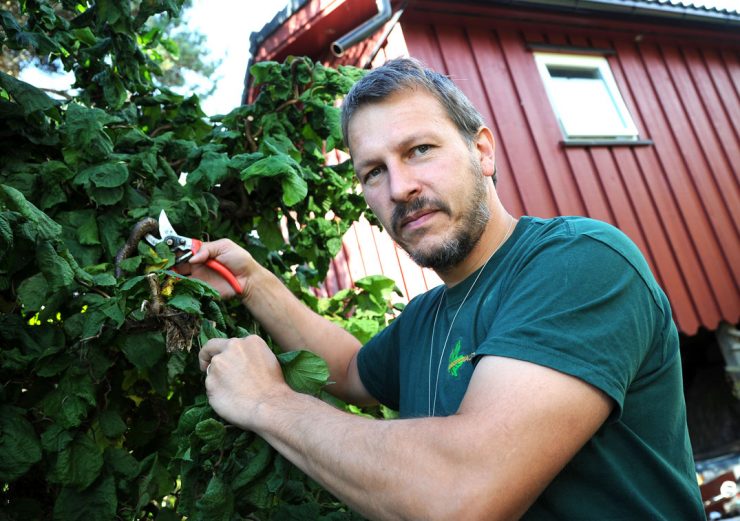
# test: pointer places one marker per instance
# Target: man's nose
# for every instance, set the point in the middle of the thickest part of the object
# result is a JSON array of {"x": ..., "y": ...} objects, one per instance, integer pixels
[{"x": 404, "y": 183}]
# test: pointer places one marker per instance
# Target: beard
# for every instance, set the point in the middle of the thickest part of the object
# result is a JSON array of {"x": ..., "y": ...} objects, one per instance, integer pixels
[{"x": 456, "y": 246}]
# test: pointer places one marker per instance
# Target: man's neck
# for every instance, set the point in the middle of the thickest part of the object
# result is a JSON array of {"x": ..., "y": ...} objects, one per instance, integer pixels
[{"x": 497, "y": 231}]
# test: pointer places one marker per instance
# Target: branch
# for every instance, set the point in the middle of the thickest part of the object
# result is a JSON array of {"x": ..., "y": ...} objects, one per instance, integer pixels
[
  {"x": 157, "y": 131},
  {"x": 251, "y": 143},
  {"x": 62, "y": 93},
  {"x": 288, "y": 103},
  {"x": 138, "y": 232}
]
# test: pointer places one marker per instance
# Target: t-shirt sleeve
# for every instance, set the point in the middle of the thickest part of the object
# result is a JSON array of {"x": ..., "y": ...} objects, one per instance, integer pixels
[
  {"x": 578, "y": 306},
  {"x": 378, "y": 365}
]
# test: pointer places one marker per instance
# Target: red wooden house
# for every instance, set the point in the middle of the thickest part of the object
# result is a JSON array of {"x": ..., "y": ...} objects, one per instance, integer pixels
[{"x": 659, "y": 156}]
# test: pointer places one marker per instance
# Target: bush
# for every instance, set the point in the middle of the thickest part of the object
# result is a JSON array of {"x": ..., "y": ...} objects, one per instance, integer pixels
[{"x": 102, "y": 409}]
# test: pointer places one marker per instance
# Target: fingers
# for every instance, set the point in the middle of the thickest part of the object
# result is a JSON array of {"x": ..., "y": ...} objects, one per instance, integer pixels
[
  {"x": 211, "y": 349},
  {"x": 212, "y": 250}
]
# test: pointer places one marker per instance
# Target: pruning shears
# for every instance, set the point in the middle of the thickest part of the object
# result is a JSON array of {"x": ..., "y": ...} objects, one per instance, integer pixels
[{"x": 187, "y": 247}]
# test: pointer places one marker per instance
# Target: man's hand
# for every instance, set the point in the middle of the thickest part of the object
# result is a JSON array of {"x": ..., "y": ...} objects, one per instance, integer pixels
[
  {"x": 242, "y": 373},
  {"x": 235, "y": 258},
  {"x": 286, "y": 319}
]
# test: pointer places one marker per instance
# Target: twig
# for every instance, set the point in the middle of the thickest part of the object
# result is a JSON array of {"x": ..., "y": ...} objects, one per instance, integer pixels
[
  {"x": 62, "y": 93},
  {"x": 288, "y": 103},
  {"x": 157, "y": 131},
  {"x": 248, "y": 134}
]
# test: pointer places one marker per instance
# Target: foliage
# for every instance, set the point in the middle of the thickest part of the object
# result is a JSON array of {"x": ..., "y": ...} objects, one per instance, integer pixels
[
  {"x": 175, "y": 48},
  {"x": 102, "y": 409}
]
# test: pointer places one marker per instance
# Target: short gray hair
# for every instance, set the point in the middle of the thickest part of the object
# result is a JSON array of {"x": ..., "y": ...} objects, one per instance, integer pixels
[{"x": 408, "y": 73}]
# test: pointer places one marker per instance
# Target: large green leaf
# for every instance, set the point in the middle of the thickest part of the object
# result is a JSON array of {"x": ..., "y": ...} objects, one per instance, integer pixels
[
  {"x": 213, "y": 169},
  {"x": 85, "y": 138},
  {"x": 78, "y": 464},
  {"x": 56, "y": 269},
  {"x": 304, "y": 371},
  {"x": 105, "y": 175},
  {"x": 30, "y": 98},
  {"x": 186, "y": 303},
  {"x": 70, "y": 401},
  {"x": 111, "y": 423},
  {"x": 19, "y": 444},
  {"x": 212, "y": 432},
  {"x": 97, "y": 503},
  {"x": 13, "y": 199},
  {"x": 217, "y": 504},
  {"x": 33, "y": 292},
  {"x": 295, "y": 189},
  {"x": 260, "y": 454},
  {"x": 144, "y": 349}
]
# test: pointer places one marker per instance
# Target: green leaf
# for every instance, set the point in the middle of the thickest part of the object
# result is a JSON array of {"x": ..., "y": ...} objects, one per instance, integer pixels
[
  {"x": 265, "y": 71},
  {"x": 104, "y": 279},
  {"x": 186, "y": 303},
  {"x": 82, "y": 224},
  {"x": 143, "y": 349},
  {"x": 6, "y": 234},
  {"x": 191, "y": 418},
  {"x": 121, "y": 462},
  {"x": 270, "y": 166},
  {"x": 155, "y": 481},
  {"x": 30, "y": 98},
  {"x": 55, "y": 439},
  {"x": 97, "y": 503},
  {"x": 55, "y": 268},
  {"x": 32, "y": 292},
  {"x": 13, "y": 199},
  {"x": 130, "y": 265},
  {"x": 111, "y": 423},
  {"x": 213, "y": 169},
  {"x": 304, "y": 371},
  {"x": 260, "y": 455},
  {"x": 107, "y": 196},
  {"x": 295, "y": 189},
  {"x": 69, "y": 402},
  {"x": 85, "y": 138},
  {"x": 212, "y": 432},
  {"x": 195, "y": 286},
  {"x": 78, "y": 464},
  {"x": 114, "y": 310},
  {"x": 288, "y": 512},
  {"x": 19, "y": 444},
  {"x": 106, "y": 175},
  {"x": 85, "y": 35},
  {"x": 217, "y": 504},
  {"x": 92, "y": 321}
]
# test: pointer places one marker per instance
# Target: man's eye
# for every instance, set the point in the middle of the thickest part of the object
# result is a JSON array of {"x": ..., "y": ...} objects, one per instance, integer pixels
[
  {"x": 422, "y": 149},
  {"x": 371, "y": 174}
]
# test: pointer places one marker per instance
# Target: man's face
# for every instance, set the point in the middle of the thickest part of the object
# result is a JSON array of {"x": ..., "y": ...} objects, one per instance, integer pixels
[{"x": 420, "y": 177}]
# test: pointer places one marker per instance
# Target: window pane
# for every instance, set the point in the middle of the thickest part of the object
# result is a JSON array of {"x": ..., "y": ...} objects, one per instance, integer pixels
[
  {"x": 584, "y": 103},
  {"x": 584, "y": 96}
]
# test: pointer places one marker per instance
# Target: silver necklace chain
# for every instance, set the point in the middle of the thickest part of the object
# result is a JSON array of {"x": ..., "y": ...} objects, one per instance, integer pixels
[{"x": 432, "y": 406}]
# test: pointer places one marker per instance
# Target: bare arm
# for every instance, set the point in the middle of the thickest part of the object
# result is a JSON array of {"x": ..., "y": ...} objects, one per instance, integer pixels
[
  {"x": 286, "y": 319},
  {"x": 518, "y": 425}
]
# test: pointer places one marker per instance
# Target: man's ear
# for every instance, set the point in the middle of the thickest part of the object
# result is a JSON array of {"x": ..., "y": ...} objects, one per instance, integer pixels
[{"x": 485, "y": 146}]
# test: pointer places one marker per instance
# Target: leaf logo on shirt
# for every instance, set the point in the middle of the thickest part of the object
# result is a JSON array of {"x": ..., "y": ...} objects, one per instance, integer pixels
[{"x": 457, "y": 360}]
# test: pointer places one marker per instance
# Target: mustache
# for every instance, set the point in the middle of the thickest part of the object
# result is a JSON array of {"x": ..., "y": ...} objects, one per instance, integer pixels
[{"x": 403, "y": 210}]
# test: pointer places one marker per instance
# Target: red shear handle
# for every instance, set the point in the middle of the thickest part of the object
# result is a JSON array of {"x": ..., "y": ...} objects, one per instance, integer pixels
[{"x": 220, "y": 269}]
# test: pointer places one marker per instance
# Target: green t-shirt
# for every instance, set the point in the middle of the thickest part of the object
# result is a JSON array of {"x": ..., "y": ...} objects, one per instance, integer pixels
[{"x": 575, "y": 295}]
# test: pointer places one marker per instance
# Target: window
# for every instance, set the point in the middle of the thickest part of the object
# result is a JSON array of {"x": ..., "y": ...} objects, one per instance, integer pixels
[{"x": 585, "y": 97}]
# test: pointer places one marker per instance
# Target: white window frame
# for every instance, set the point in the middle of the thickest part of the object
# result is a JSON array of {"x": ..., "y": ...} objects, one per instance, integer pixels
[{"x": 618, "y": 126}]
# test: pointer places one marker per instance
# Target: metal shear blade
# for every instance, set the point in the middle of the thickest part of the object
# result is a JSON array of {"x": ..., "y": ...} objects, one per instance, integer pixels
[{"x": 174, "y": 241}]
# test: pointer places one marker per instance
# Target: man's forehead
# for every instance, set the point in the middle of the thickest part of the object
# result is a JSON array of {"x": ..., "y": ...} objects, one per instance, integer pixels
[{"x": 412, "y": 111}]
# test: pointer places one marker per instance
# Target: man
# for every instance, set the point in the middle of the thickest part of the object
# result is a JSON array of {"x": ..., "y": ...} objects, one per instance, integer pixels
[{"x": 541, "y": 381}]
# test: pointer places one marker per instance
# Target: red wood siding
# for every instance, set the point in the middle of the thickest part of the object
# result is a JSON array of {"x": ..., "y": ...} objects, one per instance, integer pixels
[{"x": 678, "y": 199}]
